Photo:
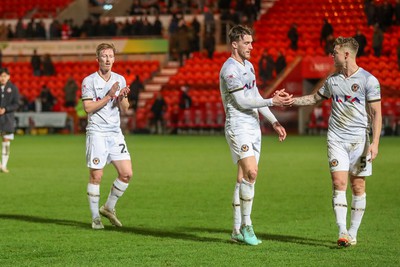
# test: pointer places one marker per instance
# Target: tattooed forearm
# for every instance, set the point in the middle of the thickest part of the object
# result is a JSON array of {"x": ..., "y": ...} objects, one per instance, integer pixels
[{"x": 307, "y": 100}]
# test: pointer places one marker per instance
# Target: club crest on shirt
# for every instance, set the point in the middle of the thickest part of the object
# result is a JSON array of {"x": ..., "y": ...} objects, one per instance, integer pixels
[
  {"x": 334, "y": 163},
  {"x": 244, "y": 148},
  {"x": 355, "y": 87},
  {"x": 96, "y": 161},
  {"x": 8, "y": 90}
]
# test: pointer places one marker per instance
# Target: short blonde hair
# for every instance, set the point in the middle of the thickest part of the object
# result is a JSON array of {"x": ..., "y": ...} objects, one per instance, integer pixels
[
  {"x": 348, "y": 42},
  {"x": 104, "y": 46}
]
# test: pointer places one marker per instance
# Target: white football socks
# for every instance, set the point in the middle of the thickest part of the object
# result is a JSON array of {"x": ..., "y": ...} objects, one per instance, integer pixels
[
  {"x": 246, "y": 201},
  {"x": 339, "y": 203},
  {"x": 358, "y": 205},
  {"x": 237, "y": 216},
  {"x": 93, "y": 192},
  {"x": 117, "y": 190},
  {"x": 5, "y": 153}
]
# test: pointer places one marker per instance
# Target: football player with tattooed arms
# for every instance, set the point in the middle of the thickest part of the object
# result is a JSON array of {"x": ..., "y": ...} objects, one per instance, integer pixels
[
  {"x": 356, "y": 108},
  {"x": 104, "y": 96},
  {"x": 243, "y": 103}
]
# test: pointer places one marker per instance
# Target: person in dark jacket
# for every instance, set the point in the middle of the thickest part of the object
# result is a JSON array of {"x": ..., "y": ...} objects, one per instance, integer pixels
[{"x": 9, "y": 102}]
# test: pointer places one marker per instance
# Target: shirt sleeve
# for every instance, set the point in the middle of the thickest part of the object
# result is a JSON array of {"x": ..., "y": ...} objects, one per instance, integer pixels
[
  {"x": 373, "y": 89},
  {"x": 87, "y": 89}
]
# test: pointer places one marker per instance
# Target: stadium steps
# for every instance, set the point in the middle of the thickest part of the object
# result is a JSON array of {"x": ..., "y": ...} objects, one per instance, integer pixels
[{"x": 156, "y": 83}]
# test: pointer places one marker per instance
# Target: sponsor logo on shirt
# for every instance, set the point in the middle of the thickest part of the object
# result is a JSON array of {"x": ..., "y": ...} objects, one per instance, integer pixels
[{"x": 345, "y": 98}]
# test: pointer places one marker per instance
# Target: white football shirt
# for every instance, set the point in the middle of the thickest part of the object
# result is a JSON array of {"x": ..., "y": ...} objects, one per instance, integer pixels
[
  {"x": 349, "y": 121},
  {"x": 106, "y": 120},
  {"x": 236, "y": 76}
]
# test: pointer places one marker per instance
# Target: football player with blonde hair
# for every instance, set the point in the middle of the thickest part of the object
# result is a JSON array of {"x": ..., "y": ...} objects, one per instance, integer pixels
[
  {"x": 356, "y": 108},
  {"x": 104, "y": 96}
]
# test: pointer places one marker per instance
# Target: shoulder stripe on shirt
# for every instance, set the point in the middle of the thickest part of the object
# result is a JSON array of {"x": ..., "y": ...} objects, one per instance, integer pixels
[{"x": 235, "y": 90}]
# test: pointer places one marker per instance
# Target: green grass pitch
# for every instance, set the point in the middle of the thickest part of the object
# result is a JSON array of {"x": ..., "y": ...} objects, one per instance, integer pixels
[{"x": 177, "y": 209}]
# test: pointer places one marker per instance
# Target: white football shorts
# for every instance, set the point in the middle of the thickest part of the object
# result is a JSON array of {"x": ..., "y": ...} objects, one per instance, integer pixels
[
  {"x": 244, "y": 143},
  {"x": 351, "y": 157},
  {"x": 101, "y": 150},
  {"x": 9, "y": 136}
]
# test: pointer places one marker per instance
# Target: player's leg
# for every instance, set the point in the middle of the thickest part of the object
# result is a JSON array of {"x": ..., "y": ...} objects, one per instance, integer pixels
[
  {"x": 360, "y": 168},
  {"x": 339, "y": 164},
  {"x": 96, "y": 160},
  {"x": 339, "y": 202},
  {"x": 93, "y": 192},
  {"x": 358, "y": 204},
  {"x": 120, "y": 158},
  {"x": 249, "y": 169},
  {"x": 237, "y": 216},
  {"x": 5, "y": 151}
]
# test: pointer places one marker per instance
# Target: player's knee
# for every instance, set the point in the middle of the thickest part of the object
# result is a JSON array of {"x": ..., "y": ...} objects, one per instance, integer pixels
[
  {"x": 125, "y": 176},
  {"x": 95, "y": 178},
  {"x": 252, "y": 175},
  {"x": 358, "y": 189}
]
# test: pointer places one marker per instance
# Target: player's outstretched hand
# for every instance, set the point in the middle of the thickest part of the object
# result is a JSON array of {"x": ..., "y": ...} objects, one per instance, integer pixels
[{"x": 282, "y": 98}]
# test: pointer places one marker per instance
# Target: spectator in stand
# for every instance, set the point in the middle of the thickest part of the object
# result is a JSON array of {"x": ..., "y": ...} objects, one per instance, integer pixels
[
  {"x": 280, "y": 64},
  {"x": 209, "y": 22},
  {"x": 70, "y": 90},
  {"x": 326, "y": 30},
  {"x": 65, "y": 30},
  {"x": 398, "y": 53},
  {"x": 30, "y": 32},
  {"x": 362, "y": 42},
  {"x": 329, "y": 44},
  {"x": 157, "y": 26},
  {"x": 183, "y": 42},
  {"x": 46, "y": 98},
  {"x": 377, "y": 40},
  {"x": 250, "y": 11},
  {"x": 136, "y": 8},
  {"x": 136, "y": 87},
  {"x": 40, "y": 31},
  {"x": 209, "y": 44},
  {"x": 20, "y": 30},
  {"x": 196, "y": 29},
  {"x": 266, "y": 66},
  {"x": 55, "y": 30},
  {"x": 48, "y": 67},
  {"x": 293, "y": 37},
  {"x": 370, "y": 12},
  {"x": 158, "y": 109},
  {"x": 397, "y": 12},
  {"x": 1, "y": 58},
  {"x": 185, "y": 101},
  {"x": 10, "y": 32},
  {"x": 146, "y": 29},
  {"x": 387, "y": 15},
  {"x": 36, "y": 63}
]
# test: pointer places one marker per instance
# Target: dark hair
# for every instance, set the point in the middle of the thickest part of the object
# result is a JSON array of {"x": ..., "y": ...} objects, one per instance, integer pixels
[
  {"x": 238, "y": 31},
  {"x": 4, "y": 70}
]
